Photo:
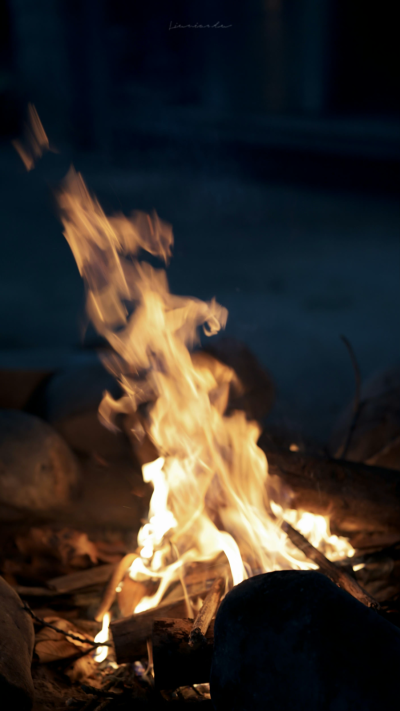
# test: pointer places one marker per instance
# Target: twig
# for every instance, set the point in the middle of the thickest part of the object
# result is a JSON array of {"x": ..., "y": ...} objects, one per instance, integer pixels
[
  {"x": 77, "y": 638},
  {"x": 384, "y": 450},
  {"x": 99, "y": 692},
  {"x": 337, "y": 575},
  {"x": 357, "y": 406},
  {"x": 205, "y": 615}
]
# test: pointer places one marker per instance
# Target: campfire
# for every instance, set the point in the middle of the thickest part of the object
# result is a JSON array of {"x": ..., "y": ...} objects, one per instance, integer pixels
[{"x": 233, "y": 518}]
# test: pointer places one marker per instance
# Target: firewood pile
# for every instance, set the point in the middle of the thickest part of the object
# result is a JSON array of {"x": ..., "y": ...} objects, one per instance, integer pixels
[{"x": 72, "y": 500}]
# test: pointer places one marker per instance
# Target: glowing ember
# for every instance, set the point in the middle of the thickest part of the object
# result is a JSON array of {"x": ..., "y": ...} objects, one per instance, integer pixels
[
  {"x": 210, "y": 479},
  {"x": 101, "y": 652}
]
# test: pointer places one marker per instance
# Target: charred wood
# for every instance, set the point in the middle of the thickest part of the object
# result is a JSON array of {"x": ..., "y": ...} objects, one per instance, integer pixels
[
  {"x": 337, "y": 574},
  {"x": 357, "y": 497},
  {"x": 176, "y": 662},
  {"x": 202, "y": 622},
  {"x": 130, "y": 634}
]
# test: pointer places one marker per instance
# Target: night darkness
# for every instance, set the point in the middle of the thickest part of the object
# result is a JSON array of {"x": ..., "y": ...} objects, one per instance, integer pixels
[{"x": 270, "y": 142}]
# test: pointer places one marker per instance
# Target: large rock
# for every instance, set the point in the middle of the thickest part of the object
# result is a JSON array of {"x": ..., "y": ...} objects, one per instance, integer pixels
[
  {"x": 375, "y": 439},
  {"x": 38, "y": 472},
  {"x": 253, "y": 390},
  {"x": 17, "y": 639},
  {"x": 293, "y": 640},
  {"x": 78, "y": 388},
  {"x": 72, "y": 399}
]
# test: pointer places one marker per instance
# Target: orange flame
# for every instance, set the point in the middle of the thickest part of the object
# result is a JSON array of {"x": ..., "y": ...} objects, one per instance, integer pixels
[
  {"x": 210, "y": 479},
  {"x": 35, "y": 140},
  {"x": 102, "y": 636}
]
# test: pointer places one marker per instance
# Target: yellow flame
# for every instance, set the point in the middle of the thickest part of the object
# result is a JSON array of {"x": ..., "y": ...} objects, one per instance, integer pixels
[
  {"x": 102, "y": 636},
  {"x": 210, "y": 480}
]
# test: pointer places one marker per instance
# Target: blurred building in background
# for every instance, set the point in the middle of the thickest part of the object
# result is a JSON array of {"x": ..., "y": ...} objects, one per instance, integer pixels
[{"x": 283, "y": 78}]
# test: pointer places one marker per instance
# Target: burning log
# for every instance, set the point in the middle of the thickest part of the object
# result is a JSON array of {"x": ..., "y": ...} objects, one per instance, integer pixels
[
  {"x": 202, "y": 622},
  {"x": 357, "y": 497},
  {"x": 130, "y": 635},
  {"x": 176, "y": 661},
  {"x": 336, "y": 574},
  {"x": 294, "y": 640}
]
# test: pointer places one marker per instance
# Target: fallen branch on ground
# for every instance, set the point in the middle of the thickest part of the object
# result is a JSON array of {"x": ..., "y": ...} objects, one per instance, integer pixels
[{"x": 336, "y": 574}]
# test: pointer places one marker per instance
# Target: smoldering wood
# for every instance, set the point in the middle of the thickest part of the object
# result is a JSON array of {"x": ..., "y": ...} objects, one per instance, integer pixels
[
  {"x": 202, "y": 622},
  {"x": 130, "y": 634},
  {"x": 337, "y": 574},
  {"x": 83, "y": 579},
  {"x": 355, "y": 496},
  {"x": 176, "y": 662}
]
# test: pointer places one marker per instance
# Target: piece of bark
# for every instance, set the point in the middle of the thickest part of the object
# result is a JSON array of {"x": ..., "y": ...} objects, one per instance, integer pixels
[
  {"x": 38, "y": 472},
  {"x": 355, "y": 496},
  {"x": 176, "y": 662},
  {"x": 84, "y": 579},
  {"x": 130, "y": 634},
  {"x": 337, "y": 574},
  {"x": 203, "y": 620},
  {"x": 51, "y": 645},
  {"x": 294, "y": 640},
  {"x": 16, "y": 647}
]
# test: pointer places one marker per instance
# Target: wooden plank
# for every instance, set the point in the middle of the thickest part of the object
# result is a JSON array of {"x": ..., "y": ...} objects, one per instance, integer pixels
[{"x": 98, "y": 575}]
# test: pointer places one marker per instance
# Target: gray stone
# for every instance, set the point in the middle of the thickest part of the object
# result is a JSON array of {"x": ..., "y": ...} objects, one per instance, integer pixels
[
  {"x": 375, "y": 438},
  {"x": 72, "y": 399},
  {"x": 293, "y": 640},
  {"x": 17, "y": 639},
  {"x": 78, "y": 388},
  {"x": 38, "y": 471}
]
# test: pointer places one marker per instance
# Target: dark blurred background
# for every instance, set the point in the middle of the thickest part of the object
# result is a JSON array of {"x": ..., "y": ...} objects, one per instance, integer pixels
[{"x": 271, "y": 144}]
